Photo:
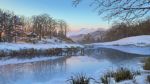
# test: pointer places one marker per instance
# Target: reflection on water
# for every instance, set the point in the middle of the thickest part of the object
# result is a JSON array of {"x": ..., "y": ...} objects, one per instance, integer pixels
[
  {"x": 114, "y": 56},
  {"x": 35, "y": 71},
  {"x": 57, "y": 71}
]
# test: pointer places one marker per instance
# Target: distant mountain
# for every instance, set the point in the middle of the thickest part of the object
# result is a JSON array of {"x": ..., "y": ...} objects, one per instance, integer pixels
[
  {"x": 95, "y": 33},
  {"x": 81, "y": 31},
  {"x": 98, "y": 33}
]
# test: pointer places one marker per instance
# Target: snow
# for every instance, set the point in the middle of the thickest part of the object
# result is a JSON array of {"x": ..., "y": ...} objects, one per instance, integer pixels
[
  {"x": 142, "y": 41},
  {"x": 53, "y": 40},
  {"x": 130, "y": 49},
  {"x": 43, "y": 44},
  {"x": 18, "y": 61},
  {"x": 18, "y": 46},
  {"x": 135, "y": 45}
]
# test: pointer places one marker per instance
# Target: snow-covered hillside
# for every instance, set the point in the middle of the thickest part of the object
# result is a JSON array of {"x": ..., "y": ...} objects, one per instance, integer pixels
[
  {"x": 135, "y": 45},
  {"x": 143, "y": 40}
]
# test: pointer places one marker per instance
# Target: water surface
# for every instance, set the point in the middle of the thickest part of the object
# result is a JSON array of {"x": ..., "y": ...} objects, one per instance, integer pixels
[{"x": 56, "y": 71}]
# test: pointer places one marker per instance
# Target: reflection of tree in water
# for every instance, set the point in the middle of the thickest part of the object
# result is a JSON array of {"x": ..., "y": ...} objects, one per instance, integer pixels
[
  {"x": 115, "y": 56},
  {"x": 48, "y": 69},
  {"x": 38, "y": 71}
]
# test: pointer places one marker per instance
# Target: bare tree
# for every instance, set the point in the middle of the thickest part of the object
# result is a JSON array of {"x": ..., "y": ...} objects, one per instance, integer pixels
[
  {"x": 121, "y": 9},
  {"x": 63, "y": 28},
  {"x": 1, "y": 25},
  {"x": 54, "y": 27},
  {"x": 13, "y": 26}
]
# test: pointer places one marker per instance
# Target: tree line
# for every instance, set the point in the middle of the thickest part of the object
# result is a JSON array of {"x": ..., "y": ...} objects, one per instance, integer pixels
[
  {"x": 13, "y": 26},
  {"x": 122, "y": 30},
  {"x": 119, "y": 31}
]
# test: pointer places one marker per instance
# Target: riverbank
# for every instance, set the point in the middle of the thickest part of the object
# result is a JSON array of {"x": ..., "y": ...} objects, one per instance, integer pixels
[
  {"x": 46, "y": 47},
  {"x": 119, "y": 76},
  {"x": 135, "y": 45},
  {"x": 38, "y": 46},
  {"x": 139, "y": 41}
]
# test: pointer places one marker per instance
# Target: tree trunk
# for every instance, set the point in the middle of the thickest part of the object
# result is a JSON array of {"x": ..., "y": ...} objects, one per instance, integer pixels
[{"x": 0, "y": 37}]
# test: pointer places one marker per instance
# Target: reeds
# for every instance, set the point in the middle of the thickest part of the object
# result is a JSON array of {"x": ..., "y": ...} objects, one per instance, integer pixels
[
  {"x": 79, "y": 79},
  {"x": 147, "y": 64}
]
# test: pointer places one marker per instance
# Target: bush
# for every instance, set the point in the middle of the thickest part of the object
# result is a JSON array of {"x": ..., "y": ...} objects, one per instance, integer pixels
[
  {"x": 79, "y": 79},
  {"x": 147, "y": 64}
]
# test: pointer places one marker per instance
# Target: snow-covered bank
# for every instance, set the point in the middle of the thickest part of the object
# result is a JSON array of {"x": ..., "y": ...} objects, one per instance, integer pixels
[
  {"x": 18, "y": 61},
  {"x": 43, "y": 44},
  {"x": 130, "y": 49},
  {"x": 135, "y": 45},
  {"x": 143, "y": 40},
  {"x": 18, "y": 46}
]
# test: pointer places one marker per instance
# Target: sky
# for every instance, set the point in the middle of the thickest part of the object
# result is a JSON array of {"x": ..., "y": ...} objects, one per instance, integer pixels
[{"x": 78, "y": 17}]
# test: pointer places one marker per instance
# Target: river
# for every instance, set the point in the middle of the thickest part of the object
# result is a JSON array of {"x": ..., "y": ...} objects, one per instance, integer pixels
[{"x": 57, "y": 71}]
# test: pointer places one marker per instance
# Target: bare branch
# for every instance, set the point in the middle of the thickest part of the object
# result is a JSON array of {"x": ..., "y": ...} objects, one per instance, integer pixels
[{"x": 120, "y": 9}]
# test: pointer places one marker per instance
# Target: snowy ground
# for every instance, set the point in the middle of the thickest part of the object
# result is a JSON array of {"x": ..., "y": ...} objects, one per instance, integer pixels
[
  {"x": 43, "y": 44},
  {"x": 135, "y": 45},
  {"x": 130, "y": 49},
  {"x": 141, "y": 41}
]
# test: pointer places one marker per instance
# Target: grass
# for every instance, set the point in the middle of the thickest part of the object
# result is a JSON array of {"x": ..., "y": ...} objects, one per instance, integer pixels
[
  {"x": 105, "y": 79},
  {"x": 148, "y": 79},
  {"x": 120, "y": 74},
  {"x": 147, "y": 64},
  {"x": 123, "y": 74},
  {"x": 79, "y": 79},
  {"x": 34, "y": 52}
]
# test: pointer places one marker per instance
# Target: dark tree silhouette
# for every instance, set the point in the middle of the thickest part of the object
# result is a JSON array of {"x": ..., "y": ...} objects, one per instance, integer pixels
[{"x": 120, "y": 9}]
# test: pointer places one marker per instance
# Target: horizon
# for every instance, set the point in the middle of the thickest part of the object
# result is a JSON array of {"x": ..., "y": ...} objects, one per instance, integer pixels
[{"x": 77, "y": 17}]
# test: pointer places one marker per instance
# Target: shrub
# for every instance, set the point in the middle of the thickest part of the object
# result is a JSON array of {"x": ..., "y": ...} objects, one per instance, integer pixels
[
  {"x": 147, "y": 64},
  {"x": 79, "y": 79}
]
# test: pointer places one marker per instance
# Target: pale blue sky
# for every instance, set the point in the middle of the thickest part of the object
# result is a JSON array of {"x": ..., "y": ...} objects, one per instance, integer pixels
[{"x": 82, "y": 16}]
